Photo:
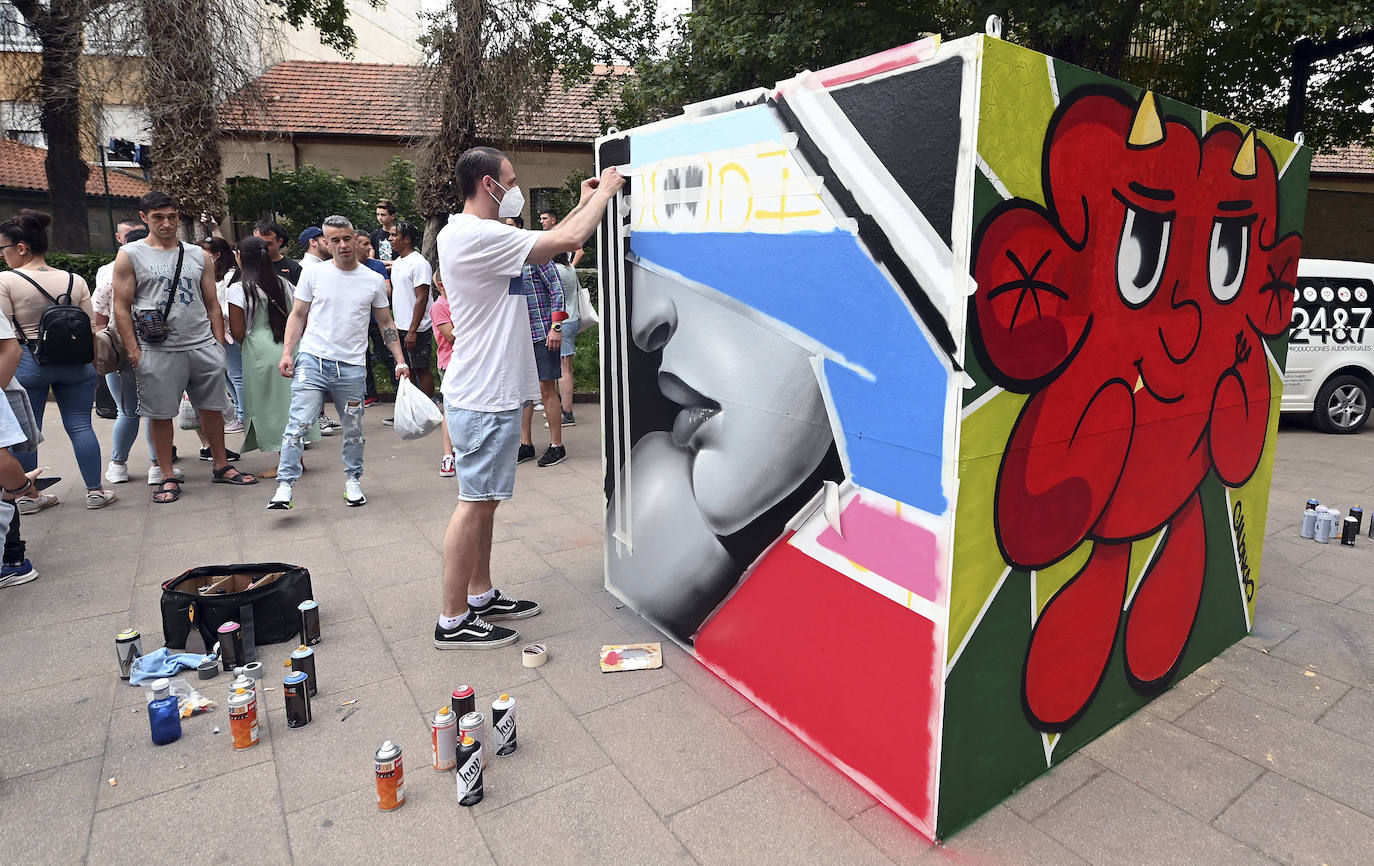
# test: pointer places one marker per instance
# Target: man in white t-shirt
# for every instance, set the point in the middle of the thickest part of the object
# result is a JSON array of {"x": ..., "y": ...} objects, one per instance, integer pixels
[
  {"x": 315, "y": 246},
  {"x": 333, "y": 304},
  {"x": 491, "y": 376},
  {"x": 411, "y": 277}
]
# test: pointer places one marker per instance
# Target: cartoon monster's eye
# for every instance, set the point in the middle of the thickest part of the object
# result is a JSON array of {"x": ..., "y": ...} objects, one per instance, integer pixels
[
  {"x": 1226, "y": 256},
  {"x": 1141, "y": 254}
]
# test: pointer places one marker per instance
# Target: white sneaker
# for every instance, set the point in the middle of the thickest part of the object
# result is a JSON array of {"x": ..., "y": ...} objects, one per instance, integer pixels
[
  {"x": 235, "y": 426},
  {"x": 281, "y": 500},
  {"x": 99, "y": 498},
  {"x": 117, "y": 473},
  {"x": 353, "y": 492},
  {"x": 155, "y": 475},
  {"x": 34, "y": 504}
]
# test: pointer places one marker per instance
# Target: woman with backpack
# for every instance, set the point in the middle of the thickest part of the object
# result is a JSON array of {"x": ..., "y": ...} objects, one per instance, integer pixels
[{"x": 30, "y": 292}]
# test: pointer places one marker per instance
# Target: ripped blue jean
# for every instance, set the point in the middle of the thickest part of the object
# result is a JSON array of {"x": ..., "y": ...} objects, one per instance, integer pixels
[{"x": 315, "y": 379}]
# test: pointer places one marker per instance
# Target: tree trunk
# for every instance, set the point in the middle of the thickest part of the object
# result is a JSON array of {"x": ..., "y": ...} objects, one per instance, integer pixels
[{"x": 60, "y": 109}]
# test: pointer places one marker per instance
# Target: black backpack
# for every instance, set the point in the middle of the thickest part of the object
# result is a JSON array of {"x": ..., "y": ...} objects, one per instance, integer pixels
[{"x": 64, "y": 329}]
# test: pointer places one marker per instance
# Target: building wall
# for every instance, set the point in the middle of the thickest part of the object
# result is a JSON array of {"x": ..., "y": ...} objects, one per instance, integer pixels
[
  {"x": 387, "y": 33},
  {"x": 97, "y": 217},
  {"x": 1339, "y": 221}
]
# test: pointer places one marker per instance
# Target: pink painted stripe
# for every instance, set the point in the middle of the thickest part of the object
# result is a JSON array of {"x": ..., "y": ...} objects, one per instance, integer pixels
[
  {"x": 887, "y": 545},
  {"x": 884, "y": 61}
]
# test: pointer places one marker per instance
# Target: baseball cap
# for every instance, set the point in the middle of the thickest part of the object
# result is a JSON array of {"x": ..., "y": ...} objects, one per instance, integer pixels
[{"x": 312, "y": 232}]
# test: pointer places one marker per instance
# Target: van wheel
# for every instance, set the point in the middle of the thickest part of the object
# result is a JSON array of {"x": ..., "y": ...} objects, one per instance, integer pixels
[{"x": 1342, "y": 405}]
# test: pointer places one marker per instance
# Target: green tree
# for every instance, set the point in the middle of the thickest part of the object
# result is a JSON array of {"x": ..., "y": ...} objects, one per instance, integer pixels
[{"x": 1228, "y": 56}]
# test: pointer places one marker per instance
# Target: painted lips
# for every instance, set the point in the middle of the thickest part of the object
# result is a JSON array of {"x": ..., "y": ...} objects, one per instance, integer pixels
[{"x": 697, "y": 409}]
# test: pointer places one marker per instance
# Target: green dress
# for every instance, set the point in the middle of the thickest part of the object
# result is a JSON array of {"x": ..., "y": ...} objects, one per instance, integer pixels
[{"x": 266, "y": 392}]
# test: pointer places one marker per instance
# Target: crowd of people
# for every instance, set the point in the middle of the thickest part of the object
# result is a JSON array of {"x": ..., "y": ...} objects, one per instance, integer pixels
[{"x": 243, "y": 339}]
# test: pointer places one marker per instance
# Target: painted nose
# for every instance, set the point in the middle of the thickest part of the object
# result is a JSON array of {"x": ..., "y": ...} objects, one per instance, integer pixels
[
  {"x": 1182, "y": 328},
  {"x": 653, "y": 318}
]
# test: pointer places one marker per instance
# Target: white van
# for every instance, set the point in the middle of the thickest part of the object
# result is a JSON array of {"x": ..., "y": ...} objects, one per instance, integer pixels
[{"x": 1330, "y": 369}]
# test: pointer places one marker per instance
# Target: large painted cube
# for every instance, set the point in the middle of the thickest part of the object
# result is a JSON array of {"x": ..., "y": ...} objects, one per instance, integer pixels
[{"x": 941, "y": 393}]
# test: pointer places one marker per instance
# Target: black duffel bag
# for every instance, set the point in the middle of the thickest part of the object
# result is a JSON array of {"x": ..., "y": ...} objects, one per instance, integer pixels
[{"x": 262, "y": 596}]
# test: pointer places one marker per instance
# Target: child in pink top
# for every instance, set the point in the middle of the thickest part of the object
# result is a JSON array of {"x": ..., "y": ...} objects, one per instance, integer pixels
[{"x": 442, "y": 318}]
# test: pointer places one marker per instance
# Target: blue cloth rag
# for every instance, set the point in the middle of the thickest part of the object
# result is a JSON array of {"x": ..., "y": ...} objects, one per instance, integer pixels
[{"x": 163, "y": 663}]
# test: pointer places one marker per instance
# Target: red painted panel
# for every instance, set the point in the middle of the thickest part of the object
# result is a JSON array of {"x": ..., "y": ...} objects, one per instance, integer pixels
[{"x": 852, "y": 674}]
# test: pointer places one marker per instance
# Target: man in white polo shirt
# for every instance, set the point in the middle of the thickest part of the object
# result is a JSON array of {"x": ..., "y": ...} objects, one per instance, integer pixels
[
  {"x": 491, "y": 375},
  {"x": 333, "y": 305}
]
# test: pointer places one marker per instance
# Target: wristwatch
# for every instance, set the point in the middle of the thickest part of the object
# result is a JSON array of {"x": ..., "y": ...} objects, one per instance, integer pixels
[{"x": 557, "y": 326}]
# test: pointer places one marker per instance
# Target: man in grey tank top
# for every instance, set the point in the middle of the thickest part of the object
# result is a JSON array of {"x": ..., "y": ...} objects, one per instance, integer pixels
[{"x": 191, "y": 357}]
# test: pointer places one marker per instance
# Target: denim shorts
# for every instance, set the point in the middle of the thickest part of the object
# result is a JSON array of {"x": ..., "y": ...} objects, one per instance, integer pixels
[
  {"x": 547, "y": 363},
  {"x": 570, "y": 329},
  {"x": 485, "y": 445}
]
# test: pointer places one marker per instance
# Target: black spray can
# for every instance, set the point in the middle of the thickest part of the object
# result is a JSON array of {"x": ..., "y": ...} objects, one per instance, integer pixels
[
  {"x": 464, "y": 701},
  {"x": 503, "y": 725},
  {"x": 1358, "y": 513},
  {"x": 469, "y": 772},
  {"x": 1350, "y": 530},
  {"x": 303, "y": 659},
  {"x": 310, "y": 622},
  {"x": 297, "y": 699},
  {"x": 231, "y": 645}
]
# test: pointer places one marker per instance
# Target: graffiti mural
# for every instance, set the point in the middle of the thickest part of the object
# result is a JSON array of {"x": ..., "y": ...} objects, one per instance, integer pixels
[{"x": 897, "y": 351}]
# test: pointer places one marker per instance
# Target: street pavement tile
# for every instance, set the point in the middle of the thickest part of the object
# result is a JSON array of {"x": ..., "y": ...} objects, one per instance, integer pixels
[
  {"x": 639, "y": 628},
  {"x": 703, "y": 680},
  {"x": 574, "y": 670},
  {"x": 1323, "y": 760},
  {"x": 549, "y": 535},
  {"x": 349, "y": 654},
  {"x": 373, "y": 525},
  {"x": 1291, "y": 549},
  {"x": 583, "y": 567},
  {"x": 1184, "y": 694},
  {"x": 553, "y": 747},
  {"x": 333, "y": 754},
  {"x": 32, "y": 741},
  {"x": 516, "y": 561},
  {"x": 770, "y": 818},
  {"x": 379, "y": 567},
  {"x": 48, "y": 814},
  {"x": 1361, "y": 600},
  {"x": 1353, "y": 716},
  {"x": 1336, "y": 652},
  {"x": 1312, "y": 581},
  {"x": 1110, "y": 821},
  {"x": 164, "y": 559},
  {"x": 430, "y": 827},
  {"x": 532, "y": 505},
  {"x": 55, "y": 599},
  {"x": 404, "y": 610},
  {"x": 1295, "y": 825},
  {"x": 73, "y": 652},
  {"x": 674, "y": 748},
  {"x": 596, "y": 818},
  {"x": 139, "y": 831},
  {"x": 986, "y": 841},
  {"x": 1055, "y": 784},
  {"x": 1187, "y": 771},
  {"x": 834, "y": 788},
  {"x": 562, "y": 608},
  {"x": 431, "y": 674},
  {"x": 1350, "y": 565},
  {"x": 319, "y": 554},
  {"x": 1300, "y": 691},
  {"x": 1267, "y": 632},
  {"x": 1306, "y": 612},
  {"x": 142, "y": 769}
]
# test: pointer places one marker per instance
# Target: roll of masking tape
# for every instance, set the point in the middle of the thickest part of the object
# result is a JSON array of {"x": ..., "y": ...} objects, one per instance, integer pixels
[{"x": 534, "y": 655}]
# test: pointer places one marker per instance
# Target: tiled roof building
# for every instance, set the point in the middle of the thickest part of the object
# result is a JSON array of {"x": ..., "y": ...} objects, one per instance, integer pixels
[{"x": 21, "y": 167}]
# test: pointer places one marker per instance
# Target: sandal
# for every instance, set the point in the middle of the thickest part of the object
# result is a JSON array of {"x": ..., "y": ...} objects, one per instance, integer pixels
[
  {"x": 231, "y": 475},
  {"x": 168, "y": 494}
]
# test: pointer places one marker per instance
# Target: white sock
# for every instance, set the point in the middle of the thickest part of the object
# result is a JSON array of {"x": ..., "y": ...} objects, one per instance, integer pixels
[
  {"x": 449, "y": 623},
  {"x": 479, "y": 600}
]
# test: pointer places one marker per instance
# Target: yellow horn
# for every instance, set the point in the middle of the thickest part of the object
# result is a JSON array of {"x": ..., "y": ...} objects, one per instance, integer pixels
[
  {"x": 1244, "y": 166},
  {"x": 1148, "y": 127}
]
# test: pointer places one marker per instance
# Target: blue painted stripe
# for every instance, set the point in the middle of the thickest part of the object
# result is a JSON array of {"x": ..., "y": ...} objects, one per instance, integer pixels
[{"x": 714, "y": 132}]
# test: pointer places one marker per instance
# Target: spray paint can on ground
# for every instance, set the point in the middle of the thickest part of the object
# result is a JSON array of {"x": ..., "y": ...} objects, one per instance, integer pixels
[
  {"x": 231, "y": 645},
  {"x": 1350, "y": 530},
  {"x": 1358, "y": 513},
  {"x": 503, "y": 725},
  {"x": 464, "y": 701},
  {"x": 1309, "y": 523},
  {"x": 473, "y": 725},
  {"x": 471, "y": 756},
  {"x": 303, "y": 659},
  {"x": 391, "y": 777},
  {"x": 310, "y": 622},
  {"x": 1333, "y": 523},
  {"x": 243, "y": 719},
  {"x": 443, "y": 729},
  {"x": 248, "y": 684},
  {"x": 1321, "y": 533},
  {"x": 297, "y": 699},
  {"x": 128, "y": 646}
]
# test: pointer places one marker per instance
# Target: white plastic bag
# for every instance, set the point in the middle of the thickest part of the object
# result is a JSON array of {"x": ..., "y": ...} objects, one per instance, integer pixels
[
  {"x": 416, "y": 414},
  {"x": 188, "y": 416}
]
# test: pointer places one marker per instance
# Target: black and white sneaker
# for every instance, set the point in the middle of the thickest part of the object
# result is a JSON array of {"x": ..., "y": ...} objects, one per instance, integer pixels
[
  {"x": 554, "y": 455},
  {"x": 328, "y": 426},
  {"x": 505, "y": 607},
  {"x": 207, "y": 456},
  {"x": 474, "y": 633},
  {"x": 526, "y": 452}
]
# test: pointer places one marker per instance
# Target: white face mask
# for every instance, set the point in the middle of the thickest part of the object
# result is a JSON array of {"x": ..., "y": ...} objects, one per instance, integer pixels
[{"x": 513, "y": 202}]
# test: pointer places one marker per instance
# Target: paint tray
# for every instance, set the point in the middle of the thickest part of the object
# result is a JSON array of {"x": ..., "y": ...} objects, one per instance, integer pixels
[{"x": 631, "y": 657}]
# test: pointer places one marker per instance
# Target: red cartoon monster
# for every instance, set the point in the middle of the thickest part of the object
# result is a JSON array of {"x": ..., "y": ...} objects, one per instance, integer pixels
[{"x": 1133, "y": 310}]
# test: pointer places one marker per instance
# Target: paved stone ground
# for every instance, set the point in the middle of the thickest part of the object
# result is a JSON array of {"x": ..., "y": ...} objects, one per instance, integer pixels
[{"x": 1262, "y": 755}]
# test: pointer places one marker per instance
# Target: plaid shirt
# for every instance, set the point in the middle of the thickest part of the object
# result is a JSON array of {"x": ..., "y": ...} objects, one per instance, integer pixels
[{"x": 544, "y": 294}]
